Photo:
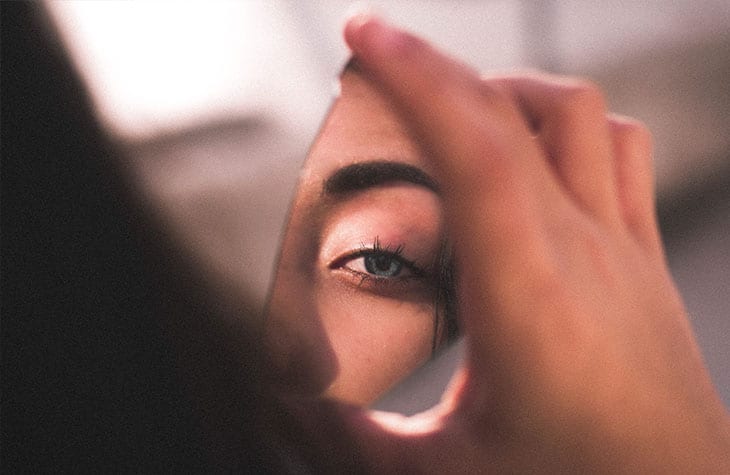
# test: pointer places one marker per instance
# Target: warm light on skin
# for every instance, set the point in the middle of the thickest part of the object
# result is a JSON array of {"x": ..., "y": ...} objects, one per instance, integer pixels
[{"x": 331, "y": 330}]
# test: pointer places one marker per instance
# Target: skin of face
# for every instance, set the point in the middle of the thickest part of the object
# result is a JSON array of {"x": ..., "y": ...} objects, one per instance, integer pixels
[{"x": 331, "y": 328}]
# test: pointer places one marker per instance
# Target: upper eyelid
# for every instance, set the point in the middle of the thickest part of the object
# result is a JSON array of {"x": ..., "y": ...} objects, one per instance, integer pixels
[
  {"x": 397, "y": 253},
  {"x": 365, "y": 249},
  {"x": 379, "y": 285},
  {"x": 377, "y": 247}
]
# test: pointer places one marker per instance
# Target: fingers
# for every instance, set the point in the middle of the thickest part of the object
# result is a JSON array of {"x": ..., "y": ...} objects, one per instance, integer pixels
[
  {"x": 603, "y": 160},
  {"x": 632, "y": 148},
  {"x": 569, "y": 116},
  {"x": 504, "y": 189},
  {"x": 552, "y": 317}
]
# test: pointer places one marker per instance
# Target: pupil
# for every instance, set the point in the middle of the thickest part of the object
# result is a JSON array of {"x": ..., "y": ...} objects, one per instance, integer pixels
[{"x": 382, "y": 262}]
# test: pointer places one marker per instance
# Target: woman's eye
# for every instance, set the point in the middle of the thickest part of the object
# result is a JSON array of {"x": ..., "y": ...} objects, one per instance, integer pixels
[
  {"x": 379, "y": 264},
  {"x": 384, "y": 272}
]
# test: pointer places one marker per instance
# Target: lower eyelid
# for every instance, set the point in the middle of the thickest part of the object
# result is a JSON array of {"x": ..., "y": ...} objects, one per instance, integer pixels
[
  {"x": 367, "y": 275},
  {"x": 376, "y": 284}
]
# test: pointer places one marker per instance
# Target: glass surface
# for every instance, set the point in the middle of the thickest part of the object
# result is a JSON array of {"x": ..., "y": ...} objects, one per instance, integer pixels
[{"x": 363, "y": 293}]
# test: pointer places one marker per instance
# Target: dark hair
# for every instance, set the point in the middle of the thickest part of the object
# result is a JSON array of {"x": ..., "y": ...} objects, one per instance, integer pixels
[
  {"x": 114, "y": 356},
  {"x": 446, "y": 328}
]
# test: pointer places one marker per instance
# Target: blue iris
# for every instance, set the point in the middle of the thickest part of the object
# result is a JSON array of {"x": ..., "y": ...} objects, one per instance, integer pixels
[{"x": 383, "y": 265}]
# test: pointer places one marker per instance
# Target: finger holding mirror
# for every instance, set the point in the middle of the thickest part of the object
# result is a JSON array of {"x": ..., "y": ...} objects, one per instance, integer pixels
[{"x": 363, "y": 292}]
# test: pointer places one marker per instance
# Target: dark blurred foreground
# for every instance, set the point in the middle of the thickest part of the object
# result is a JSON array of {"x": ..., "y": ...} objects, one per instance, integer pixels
[{"x": 106, "y": 332}]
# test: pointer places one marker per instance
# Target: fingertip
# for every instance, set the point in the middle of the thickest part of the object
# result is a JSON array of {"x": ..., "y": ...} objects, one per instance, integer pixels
[
  {"x": 354, "y": 28},
  {"x": 372, "y": 39}
]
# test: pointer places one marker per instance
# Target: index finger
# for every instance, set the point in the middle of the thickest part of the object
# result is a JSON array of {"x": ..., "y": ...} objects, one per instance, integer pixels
[{"x": 437, "y": 96}]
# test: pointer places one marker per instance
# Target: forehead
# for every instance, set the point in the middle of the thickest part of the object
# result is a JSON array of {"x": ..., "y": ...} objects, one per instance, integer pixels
[{"x": 362, "y": 126}]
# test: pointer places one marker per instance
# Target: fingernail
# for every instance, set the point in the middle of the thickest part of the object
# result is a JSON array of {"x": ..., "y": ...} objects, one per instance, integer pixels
[
  {"x": 368, "y": 32},
  {"x": 355, "y": 27}
]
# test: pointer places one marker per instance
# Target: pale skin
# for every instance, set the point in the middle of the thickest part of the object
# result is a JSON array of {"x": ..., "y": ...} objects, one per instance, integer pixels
[{"x": 580, "y": 356}]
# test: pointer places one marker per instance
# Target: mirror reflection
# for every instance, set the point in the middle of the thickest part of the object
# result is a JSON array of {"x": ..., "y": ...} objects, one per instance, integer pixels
[{"x": 363, "y": 292}]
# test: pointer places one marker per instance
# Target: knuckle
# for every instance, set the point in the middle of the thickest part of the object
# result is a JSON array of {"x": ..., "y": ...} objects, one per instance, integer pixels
[
  {"x": 492, "y": 90},
  {"x": 630, "y": 131},
  {"x": 500, "y": 99},
  {"x": 641, "y": 135},
  {"x": 582, "y": 96}
]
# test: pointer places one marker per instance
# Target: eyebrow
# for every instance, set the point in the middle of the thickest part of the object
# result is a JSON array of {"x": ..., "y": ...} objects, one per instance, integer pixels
[{"x": 366, "y": 175}]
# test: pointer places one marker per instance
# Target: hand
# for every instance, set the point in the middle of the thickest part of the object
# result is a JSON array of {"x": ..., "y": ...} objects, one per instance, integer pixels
[{"x": 580, "y": 356}]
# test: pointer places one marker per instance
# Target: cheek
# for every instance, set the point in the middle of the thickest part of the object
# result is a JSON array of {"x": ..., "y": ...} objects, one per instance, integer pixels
[
  {"x": 376, "y": 342},
  {"x": 299, "y": 356}
]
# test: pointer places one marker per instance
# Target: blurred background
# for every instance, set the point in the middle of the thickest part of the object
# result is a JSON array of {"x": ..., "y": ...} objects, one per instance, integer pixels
[{"x": 216, "y": 104}]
